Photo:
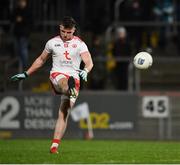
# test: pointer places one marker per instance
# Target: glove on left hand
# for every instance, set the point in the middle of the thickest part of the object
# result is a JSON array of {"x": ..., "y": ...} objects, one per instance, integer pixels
[{"x": 84, "y": 74}]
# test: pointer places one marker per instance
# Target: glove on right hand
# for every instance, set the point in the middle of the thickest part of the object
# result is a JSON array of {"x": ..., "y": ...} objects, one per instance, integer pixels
[{"x": 20, "y": 76}]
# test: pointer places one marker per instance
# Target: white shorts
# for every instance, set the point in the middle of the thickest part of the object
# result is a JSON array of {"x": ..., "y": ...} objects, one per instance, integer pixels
[{"x": 55, "y": 77}]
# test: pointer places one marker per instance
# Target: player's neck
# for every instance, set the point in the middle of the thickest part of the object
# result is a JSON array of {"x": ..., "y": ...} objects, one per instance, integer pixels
[{"x": 65, "y": 40}]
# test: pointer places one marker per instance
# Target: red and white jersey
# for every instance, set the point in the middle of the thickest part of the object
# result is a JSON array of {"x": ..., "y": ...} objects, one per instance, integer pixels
[{"x": 66, "y": 55}]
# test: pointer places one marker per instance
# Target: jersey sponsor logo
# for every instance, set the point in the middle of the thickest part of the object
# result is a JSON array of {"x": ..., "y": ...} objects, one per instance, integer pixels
[{"x": 66, "y": 63}]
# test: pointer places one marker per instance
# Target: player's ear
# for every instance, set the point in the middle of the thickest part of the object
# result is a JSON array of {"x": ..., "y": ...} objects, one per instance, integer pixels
[
  {"x": 74, "y": 30},
  {"x": 60, "y": 26}
]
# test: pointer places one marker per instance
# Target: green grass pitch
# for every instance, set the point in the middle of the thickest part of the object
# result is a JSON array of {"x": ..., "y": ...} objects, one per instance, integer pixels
[{"x": 91, "y": 152}]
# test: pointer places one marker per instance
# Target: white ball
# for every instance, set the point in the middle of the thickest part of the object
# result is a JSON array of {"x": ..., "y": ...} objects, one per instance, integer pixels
[{"x": 143, "y": 60}]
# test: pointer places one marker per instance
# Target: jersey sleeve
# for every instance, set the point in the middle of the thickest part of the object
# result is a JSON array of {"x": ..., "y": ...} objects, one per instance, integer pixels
[
  {"x": 48, "y": 47},
  {"x": 83, "y": 48}
]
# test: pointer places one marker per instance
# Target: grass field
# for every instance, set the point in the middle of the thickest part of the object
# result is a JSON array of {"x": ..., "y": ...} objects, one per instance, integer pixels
[{"x": 92, "y": 152}]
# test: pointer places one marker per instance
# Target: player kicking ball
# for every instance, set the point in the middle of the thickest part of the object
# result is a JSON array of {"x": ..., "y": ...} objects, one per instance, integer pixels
[{"x": 67, "y": 52}]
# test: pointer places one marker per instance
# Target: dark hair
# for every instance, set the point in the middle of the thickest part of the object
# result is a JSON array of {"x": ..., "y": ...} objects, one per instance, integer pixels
[{"x": 68, "y": 22}]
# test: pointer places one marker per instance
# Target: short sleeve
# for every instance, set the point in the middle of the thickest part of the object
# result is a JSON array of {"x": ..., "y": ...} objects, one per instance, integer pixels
[
  {"x": 83, "y": 48},
  {"x": 48, "y": 47}
]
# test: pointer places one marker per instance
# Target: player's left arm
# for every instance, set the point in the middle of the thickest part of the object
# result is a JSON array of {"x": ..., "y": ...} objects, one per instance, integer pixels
[{"x": 86, "y": 58}]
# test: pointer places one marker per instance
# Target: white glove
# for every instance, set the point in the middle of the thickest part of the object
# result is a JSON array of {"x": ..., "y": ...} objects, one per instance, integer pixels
[
  {"x": 84, "y": 74},
  {"x": 20, "y": 76}
]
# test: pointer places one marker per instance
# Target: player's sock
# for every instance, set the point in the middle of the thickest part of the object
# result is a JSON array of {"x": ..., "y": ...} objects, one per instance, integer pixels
[
  {"x": 55, "y": 143},
  {"x": 71, "y": 82},
  {"x": 71, "y": 85},
  {"x": 54, "y": 146}
]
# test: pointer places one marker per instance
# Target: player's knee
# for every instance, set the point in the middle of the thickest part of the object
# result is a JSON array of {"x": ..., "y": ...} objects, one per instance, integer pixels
[{"x": 63, "y": 85}]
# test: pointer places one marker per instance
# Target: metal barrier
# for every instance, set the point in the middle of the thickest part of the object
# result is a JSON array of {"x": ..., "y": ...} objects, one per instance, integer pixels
[{"x": 164, "y": 75}]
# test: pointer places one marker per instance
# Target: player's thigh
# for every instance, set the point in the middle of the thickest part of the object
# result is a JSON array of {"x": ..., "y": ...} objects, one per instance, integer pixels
[
  {"x": 59, "y": 82},
  {"x": 63, "y": 83}
]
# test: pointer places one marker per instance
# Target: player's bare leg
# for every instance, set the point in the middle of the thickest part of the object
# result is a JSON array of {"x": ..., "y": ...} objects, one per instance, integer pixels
[
  {"x": 67, "y": 87},
  {"x": 66, "y": 105},
  {"x": 63, "y": 84},
  {"x": 61, "y": 124}
]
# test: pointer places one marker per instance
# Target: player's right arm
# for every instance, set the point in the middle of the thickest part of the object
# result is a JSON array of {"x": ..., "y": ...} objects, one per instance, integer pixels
[{"x": 38, "y": 63}]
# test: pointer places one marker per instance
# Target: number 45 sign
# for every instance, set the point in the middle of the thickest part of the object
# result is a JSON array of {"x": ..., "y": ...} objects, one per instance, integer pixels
[{"x": 155, "y": 106}]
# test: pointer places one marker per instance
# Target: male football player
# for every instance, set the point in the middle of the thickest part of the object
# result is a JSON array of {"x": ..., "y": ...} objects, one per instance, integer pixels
[{"x": 67, "y": 52}]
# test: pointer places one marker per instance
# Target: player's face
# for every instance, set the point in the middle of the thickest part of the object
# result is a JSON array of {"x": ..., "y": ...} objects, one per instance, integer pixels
[{"x": 66, "y": 34}]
